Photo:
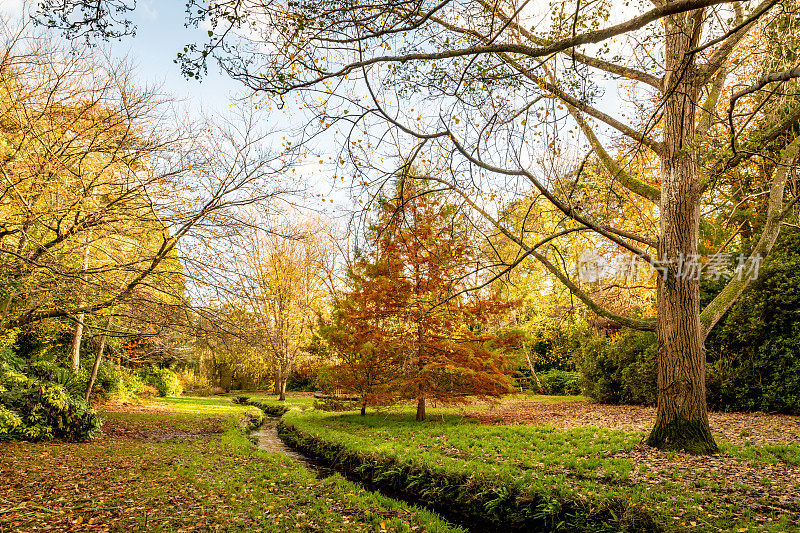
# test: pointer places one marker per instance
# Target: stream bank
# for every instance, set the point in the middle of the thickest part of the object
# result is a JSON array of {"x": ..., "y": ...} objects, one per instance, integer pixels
[
  {"x": 124, "y": 481},
  {"x": 464, "y": 499},
  {"x": 472, "y": 501},
  {"x": 268, "y": 437}
]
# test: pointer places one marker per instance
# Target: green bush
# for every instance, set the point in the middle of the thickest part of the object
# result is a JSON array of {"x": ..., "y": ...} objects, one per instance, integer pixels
[
  {"x": 619, "y": 370},
  {"x": 197, "y": 384},
  {"x": 130, "y": 386},
  {"x": 108, "y": 382},
  {"x": 302, "y": 378},
  {"x": 560, "y": 382},
  {"x": 111, "y": 381},
  {"x": 164, "y": 380},
  {"x": 752, "y": 353},
  {"x": 241, "y": 400},
  {"x": 35, "y": 408},
  {"x": 10, "y": 422}
]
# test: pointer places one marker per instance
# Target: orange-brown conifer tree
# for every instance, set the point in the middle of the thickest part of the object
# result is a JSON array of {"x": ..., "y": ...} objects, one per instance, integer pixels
[{"x": 409, "y": 329}]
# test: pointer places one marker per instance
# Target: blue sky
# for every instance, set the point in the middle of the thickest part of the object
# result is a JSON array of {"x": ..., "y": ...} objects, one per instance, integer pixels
[{"x": 160, "y": 35}]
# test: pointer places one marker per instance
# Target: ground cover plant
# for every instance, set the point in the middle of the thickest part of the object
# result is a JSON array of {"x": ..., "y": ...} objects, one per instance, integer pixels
[
  {"x": 583, "y": 466},
  {"x": 183, "y": 464}
]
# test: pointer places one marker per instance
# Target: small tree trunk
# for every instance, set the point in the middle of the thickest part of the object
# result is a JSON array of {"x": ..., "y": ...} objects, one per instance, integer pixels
[
  {"x": 75, "y": 353},
  {"x": 283, "y": 391},
  {"x": 533, "y": 372},
  {"x": 96, "y": 365},
  {"x": 364, "y": 408},
  {"x": 420, "y": 406}
]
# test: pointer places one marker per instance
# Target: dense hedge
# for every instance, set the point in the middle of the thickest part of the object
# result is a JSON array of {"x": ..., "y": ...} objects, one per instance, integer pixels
[
  {"x": 560, "y": 382},
  {"x": 267, "y": 408},
  {"x": 484, "y": 503},
  {"x": 111, "y": 382},
  {"x": 303, "y": 378},
  {"x": 753, "y": 351}
]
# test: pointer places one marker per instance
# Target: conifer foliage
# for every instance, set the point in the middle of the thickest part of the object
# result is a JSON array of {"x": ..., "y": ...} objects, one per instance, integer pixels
[{"x": 407, "y": 328}]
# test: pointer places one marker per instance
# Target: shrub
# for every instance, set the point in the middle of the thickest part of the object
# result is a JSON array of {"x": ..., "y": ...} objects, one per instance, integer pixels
[
  {"x": 334, "y": 404},
  {"x": 107, "y": 383},
  {"x": 619, "y": 370},
  {"x": 130, "y": 385},
  {"x": 111, "y": 382},
  {"x": 752, "y": 353},
  {"x": 241, "y": 400},
  {"x": 302, "y": 378},
  {"x": 10, "y": 422},
  {"x": 34, "y": 408},
  {"x": 164, "y": 380},
  {"x": 196, "y": 384},
  {"x": 560, "y": 382}
]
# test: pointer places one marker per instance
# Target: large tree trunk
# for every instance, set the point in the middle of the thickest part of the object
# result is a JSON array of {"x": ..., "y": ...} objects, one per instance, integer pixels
[
  {"x": 682, "y": 416},
  {"x": 75, "y": 353}
]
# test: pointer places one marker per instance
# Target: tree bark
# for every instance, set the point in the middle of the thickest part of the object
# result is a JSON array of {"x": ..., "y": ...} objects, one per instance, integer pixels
[
  {"x": 421, "y": 406},
  {"x": 276, "y": 387},
  {"x": 682, "y": 415},
  {"x": 420, "y": 367},
  {"x": 97, "y": 359},
  {"x": 77, "y": 339},
  {"x": 284, "y": 375},
  {"x": 533, "y": 372},
  {"x": 283, "y": 390}
]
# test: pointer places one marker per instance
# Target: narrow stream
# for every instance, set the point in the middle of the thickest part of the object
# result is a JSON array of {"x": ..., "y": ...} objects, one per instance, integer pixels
[{"x": 267, "y": 439}]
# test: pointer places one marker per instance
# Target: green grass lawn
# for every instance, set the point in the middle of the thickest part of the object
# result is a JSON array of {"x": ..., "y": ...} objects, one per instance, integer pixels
[
  {"x": 584, "y": 464},
  {"x": 203, "y": 482}
]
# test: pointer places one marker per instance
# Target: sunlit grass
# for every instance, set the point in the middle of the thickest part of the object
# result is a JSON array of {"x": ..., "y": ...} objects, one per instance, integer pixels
[
  {"x": 216, "y": 482},
  {"x": 578, "y": 462}
]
